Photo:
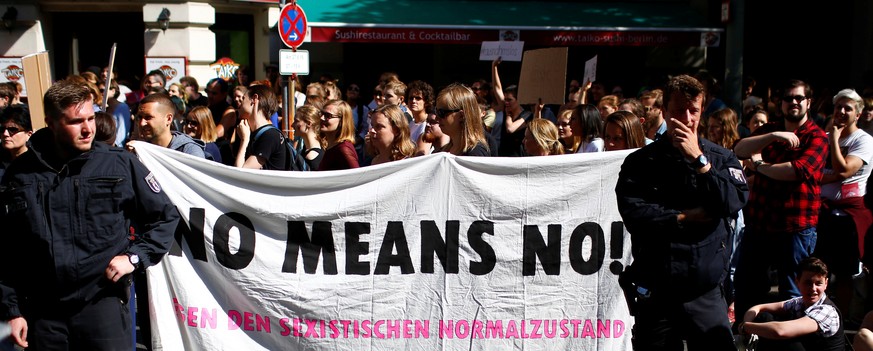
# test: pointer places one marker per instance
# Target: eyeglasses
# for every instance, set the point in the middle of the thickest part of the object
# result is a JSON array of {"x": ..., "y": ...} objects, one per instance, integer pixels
[
  {"x": 192, "y": 122},
  {"x": 11, "y": 130},
  {"x": 328, "y": 115},
  {"x": 440, "y": 113},
  {"x": 417, "y": 98},
  {"x": 799, "y": 98},
  {"x": 354, "y": 89},
  {"x": 432, "y": 121}
]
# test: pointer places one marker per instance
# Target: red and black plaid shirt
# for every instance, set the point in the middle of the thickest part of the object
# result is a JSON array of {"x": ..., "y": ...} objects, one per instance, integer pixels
[{"x": 789, "y": 206}]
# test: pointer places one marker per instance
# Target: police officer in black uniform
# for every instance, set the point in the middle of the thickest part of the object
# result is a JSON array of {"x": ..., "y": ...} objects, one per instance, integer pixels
[
  {"x": 676, "y": 197},
  {"x": 66, "y": 258}
]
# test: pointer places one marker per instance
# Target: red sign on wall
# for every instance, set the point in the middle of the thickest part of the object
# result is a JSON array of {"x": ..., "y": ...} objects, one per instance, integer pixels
[{"x": 530, "y": 37}]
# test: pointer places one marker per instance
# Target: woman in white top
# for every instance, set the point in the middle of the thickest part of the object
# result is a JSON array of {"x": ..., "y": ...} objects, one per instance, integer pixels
[{"x": 587, "y": 124}]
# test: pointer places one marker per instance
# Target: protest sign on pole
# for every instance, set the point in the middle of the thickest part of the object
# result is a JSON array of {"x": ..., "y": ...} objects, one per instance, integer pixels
[
  {"x": 543, "y": 76},
  {"x": 37, "y": 74},
  {"x": 505, "y": 50}
]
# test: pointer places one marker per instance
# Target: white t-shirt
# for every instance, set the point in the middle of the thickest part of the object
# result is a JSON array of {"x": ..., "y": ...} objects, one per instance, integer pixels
[
  {"x": 860, "y": 145},
  {"x": 596, "y": 145},
  {"x": 415, "y": 130}
]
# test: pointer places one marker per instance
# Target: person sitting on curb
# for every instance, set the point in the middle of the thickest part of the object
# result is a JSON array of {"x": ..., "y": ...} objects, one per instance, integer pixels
[{"x": 808, "y": 322}]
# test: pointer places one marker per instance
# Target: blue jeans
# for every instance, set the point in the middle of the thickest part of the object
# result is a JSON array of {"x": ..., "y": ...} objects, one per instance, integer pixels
[{"x": 760, "y": 251}]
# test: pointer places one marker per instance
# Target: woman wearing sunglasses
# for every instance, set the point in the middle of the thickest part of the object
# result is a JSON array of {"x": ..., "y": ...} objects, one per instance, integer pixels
[
  {"x": 460, "y": 118},
  {"x": 15, "y": 131},
  {"x": 199, "y": 125},
  {"x": 338, "y": 137}
]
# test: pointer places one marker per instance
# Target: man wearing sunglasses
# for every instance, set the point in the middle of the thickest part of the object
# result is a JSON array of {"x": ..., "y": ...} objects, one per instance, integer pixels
[{"x": 787, "y": 159}]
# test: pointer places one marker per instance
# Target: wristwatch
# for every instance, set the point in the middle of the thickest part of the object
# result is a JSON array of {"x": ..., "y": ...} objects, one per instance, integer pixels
[
  {"x": 134, "y": 260},
  {"x": 700, "y": 162}
]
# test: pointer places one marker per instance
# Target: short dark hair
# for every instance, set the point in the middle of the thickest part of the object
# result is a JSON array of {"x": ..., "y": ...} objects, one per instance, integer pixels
[
  {"x": 685, "y": 85},
  {"x": 794, "y": 83},
  {"x": 64, "y": 94},
  {"x": 189, "y": 81},
  {"x": 426, "y": 92},
  {"x": 106, "y": 129},
  {"x": 158, "y": 73},
  {"x": 7, "y": 91},
  {"x": 161, "y": 99},
  {"x": 812, "y": 265},
  {"x": 267, "y": 100},
  {"x": 17, "y": 114},
  {"x": 222, "y": 84},
  {"x": 512, "y": 89}
]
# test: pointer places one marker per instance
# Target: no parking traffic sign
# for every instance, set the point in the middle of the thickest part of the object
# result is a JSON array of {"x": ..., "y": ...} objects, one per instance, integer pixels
[{"x": 292, "y": 25}]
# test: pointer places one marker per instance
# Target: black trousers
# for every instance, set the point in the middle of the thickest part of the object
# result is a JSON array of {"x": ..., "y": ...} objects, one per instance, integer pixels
[
  {"x": 102, "y": 324},
  {"x": 662, "y": 323}
]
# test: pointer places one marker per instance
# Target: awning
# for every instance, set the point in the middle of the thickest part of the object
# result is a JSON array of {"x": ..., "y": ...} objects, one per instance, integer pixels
[{"x": 535, "y": 22}]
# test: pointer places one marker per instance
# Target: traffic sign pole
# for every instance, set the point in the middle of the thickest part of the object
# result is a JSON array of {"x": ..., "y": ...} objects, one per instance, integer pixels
[{"x": 292, "y": 30}]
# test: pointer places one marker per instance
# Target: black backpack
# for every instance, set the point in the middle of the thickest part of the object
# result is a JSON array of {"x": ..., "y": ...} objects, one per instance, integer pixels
[{"x": 293, "y": 160}]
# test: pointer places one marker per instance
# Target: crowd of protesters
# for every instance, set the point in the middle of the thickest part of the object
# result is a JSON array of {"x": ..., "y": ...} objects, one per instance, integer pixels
[{"x": 806, "y": 157}]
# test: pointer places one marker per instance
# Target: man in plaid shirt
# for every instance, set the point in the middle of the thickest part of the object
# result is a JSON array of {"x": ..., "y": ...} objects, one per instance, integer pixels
[
  {"x": 808, "y": 322},
  {"x": 782, "y": 213}
]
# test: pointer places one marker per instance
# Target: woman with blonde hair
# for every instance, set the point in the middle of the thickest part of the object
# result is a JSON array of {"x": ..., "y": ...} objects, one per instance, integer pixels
[
  {"x": 199, "y": 125},
  {"x": 178, "y": 90},
  {"x": 623, "y": 131},
  {"x": 460, "y": 118},
  {"x": 389, "y": 135},
  {"x": 338, "y": 137},
  {"x": 721, "y": 128},
  {"x": 541, "y": 138},
  {"x": 607, "y": 105},
  {"x": 566, "y": 131},
  {"x": 307, "y": 123}
]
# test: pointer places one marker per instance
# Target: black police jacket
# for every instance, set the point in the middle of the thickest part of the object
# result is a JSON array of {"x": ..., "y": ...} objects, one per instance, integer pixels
[
  {"x": 655, "y": 184},
  {"x": 64, "y": 222}
]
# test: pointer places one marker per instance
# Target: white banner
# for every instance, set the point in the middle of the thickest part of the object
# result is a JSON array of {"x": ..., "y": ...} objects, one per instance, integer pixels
[{"x": 430, "y": 253}]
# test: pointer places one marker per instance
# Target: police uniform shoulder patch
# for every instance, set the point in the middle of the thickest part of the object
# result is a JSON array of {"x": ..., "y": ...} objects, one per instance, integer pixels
[
  {"x": 153, "y": 183},
  {"x": 738, "y": 174}
]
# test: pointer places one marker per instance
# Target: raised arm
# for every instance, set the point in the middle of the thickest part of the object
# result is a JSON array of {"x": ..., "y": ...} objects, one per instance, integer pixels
[
  {"x": 495, "y": 80},
  {"x": 584, "y": 98}
]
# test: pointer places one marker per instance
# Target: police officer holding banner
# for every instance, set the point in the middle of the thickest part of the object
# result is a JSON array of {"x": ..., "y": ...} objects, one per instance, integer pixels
[
  {"x": 676, "y": 197},
  {"x": 67, "y": 204}
]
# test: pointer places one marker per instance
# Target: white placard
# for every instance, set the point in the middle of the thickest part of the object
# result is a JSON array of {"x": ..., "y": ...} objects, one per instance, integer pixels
[
  {"x": 174, "y": 68},
  {"x": 590, "y": 71},
  {"x": 12, "y": 70},
  {"x": 293, "y": 62},
  {"x": 506, "y": 50}
]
